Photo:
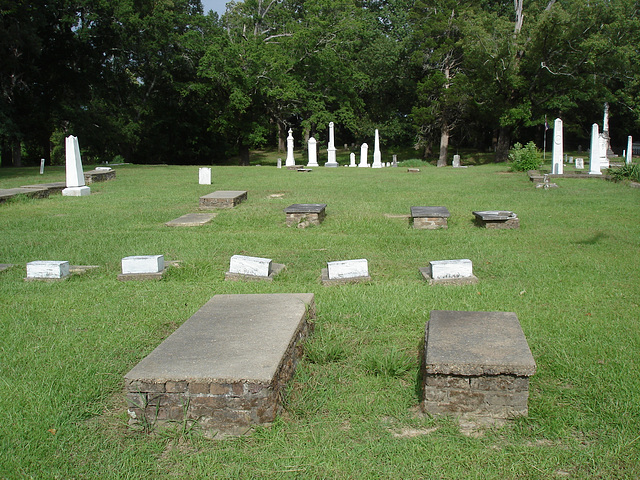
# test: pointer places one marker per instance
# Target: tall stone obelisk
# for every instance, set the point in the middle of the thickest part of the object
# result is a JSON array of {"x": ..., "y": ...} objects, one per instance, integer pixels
[
  {"x": 74, "y": 174},
  {"x": 594, "y": 152},
  {"x": 331, "y": 149},
  {"x": 377, "y": 155},
  {"x": 290, "y": 161},
  {"x": 557, "y": 165}
]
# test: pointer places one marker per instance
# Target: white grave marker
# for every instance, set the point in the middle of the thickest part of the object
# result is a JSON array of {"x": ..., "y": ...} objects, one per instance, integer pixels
[
  {"x": 602, "y": 145},
  {"x": 290, "y": 161},
  {"x": 42, "y": 166},
  {"x": 313, "y": 153},
  {"x": 377, "y": 155},
  {"x": 348, "y": 269},
  {"x": 204, "y": 176},
  {"x": 279, "y": 163},
  {"x": 594, "y": 154},
  {"x": 352, "y": 160},
  {"x": 47, "y": 269},
  {"x": 74, "y": 175},
  {"x": 363, "y": 155},
  {"x": 142, "y": 264},
  {"x": 557, "y": 166},
  {"x": 443, "y": 269},
  {"x": 629, "y": 155},
  {"x": 579, "y": 163},
  {"x": 244, "y": 265},
  {"x": 331, "y": 149}
]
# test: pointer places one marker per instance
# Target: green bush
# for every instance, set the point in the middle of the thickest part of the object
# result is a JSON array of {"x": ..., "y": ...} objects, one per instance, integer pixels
[
  {"x": 626, "y": 172},
  {"x": 524, "y": 158}
]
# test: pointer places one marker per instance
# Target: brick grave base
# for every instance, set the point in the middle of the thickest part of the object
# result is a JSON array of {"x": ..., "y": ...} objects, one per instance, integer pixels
[
  {"x": 226, "y": 367},
  {"x": 304, "y": 214},
  {"x": 476, "y": 364},
  {"x": 223, "y": 199}
]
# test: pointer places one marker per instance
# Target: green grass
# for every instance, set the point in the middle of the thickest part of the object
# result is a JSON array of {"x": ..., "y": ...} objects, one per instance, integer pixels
[{"x": 570, "y": 273}]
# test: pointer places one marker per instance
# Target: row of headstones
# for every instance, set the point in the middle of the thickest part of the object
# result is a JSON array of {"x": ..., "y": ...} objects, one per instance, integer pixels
[
  {"x": 598, "y": 152},
  {"x": 144, "y": 267}
]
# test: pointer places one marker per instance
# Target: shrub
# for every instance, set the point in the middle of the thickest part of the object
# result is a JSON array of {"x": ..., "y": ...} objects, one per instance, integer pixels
[
  {"x": 524, "y": 158},
  {"x": 630, "y": 172}
]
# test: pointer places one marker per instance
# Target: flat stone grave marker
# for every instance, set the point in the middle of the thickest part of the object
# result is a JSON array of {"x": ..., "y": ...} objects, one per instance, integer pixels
[
  {"x": 242, "y": 267},
  {"x": 346, "y": 271},
  {"x": 429, "y": 218},
  {"x": 47, "y": 270},
  {"x": 99, "y": 174},
  {"x": 476, "y": 364},
  {"x": 226, "y": 368},
  {"x": 7, "y": 193},
  {"x": 449, "y": 272},
  {"x": 191, "y": 220},
  {"x": 142, "y": 267},
  {"x": 497, "y": 219},
  {"x": 413, "y": 170},
  {"x": 223, "y": 199},
  {"x": 304, "y": 214},
  {"x": 5, "y": 266},
  {"x": 53, "y": 187}
]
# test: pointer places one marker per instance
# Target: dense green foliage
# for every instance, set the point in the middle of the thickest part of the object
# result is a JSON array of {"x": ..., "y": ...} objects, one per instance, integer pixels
[
  {"x": 524, "y": 158},
  {"x": 569, "y": 273},
  {"x": 158, "y": 81},
  {"x": 629, "y": 171}
]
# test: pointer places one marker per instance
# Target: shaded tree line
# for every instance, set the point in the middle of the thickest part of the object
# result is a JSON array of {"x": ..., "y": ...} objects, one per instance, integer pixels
[{"x": 161, "y": 81}]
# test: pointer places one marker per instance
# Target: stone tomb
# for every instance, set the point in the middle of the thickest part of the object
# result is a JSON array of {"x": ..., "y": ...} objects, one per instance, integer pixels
[
  {"x": 497, "y": 219},
  {"x": 476, "y": 364},
  {"x": 226, "y": 367},
  {"x": 346, "y": 271},
  {"x": 304, "y": 214},
  {"x": 99, "y": 174},
  {"x": 142, "y": 267},
  {"x": 7, "y": 193},
  {"x": 191, "y": 220},
  {"x": 223, "y": 199},
  {"x": 48, "y": 270},
  {"x": 449, "y": 272},
  {"x": 429, "y": 218},
  {"x": 242, "y": 267}
]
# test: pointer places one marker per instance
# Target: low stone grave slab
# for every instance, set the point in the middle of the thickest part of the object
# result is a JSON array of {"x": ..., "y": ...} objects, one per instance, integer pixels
[
  {"x": 192, "y": 220},
  {"x": 5, "y": 266},
  {"x": 100, "y": 174},
  {"x": 304, "y": 214},
  {"x": 449, "y": 272},
  {"x": 223, "y": 199},
  {"x": 346, "y": 271},
  {"x": 53, "y": 187},
  {"x": 48, "y": 270},
  {"x": 242, "y": 267},
  {"x": 8, "y": 193},
  {"x": 142, "y": 267},
  {"x": 294, "y": 167},
  {"x": 413, "y": 170},
  {"x": 226, "y": 367},
  {"x": 429, "y": 218},
  {"x": 497, "y": 219},
  {"x": 476, "y": 364}
]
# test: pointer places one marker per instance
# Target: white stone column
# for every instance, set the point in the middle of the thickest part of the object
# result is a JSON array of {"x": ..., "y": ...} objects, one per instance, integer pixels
[
  {"x": 313, "y": 153},
  {"x": 352, "y": 160},
  {"x": 74, "y": 175},
  {"x": 377, "y": 156},
  {"x": 331, "y": 149},
  {"x": 557, "y": 165},
  {"x": 290, "y": 161},
  {"x": 363, "y": 155},
  {"x": 604, "y": 142},
  {"x": 629, "y": 157},
  {"x": 594, "y": 153}
]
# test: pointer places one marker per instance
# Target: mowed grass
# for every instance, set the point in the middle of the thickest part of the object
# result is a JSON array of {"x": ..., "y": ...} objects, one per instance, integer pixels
[{"x": 570, "y": 273}]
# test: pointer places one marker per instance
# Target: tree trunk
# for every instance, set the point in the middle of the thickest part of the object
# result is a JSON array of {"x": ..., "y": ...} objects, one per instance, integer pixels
[
  {"x": 17, "y": 154},
  {"x": 244, "y": 155},
  {"x": 444, "y": 144},
  {"x": 282, "y": 136},
  {"x": 5, "y": 154},
  {"x": 504, "y": 140}
]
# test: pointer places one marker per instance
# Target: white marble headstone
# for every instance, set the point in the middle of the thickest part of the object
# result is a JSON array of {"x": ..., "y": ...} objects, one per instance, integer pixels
[
  {"x": 557, "y": 165},
  {"x": 456, "y": 161},
  {"x": 290, "y": 161},
  {"x": 579, "y": 163},
  {"x": 348, "y": 269},
  {"x": 594, "y": 154},
  {"x": 363, "y": 155},
  {"x": 313, "y": 153},
  {"x": 352, "y": 160},
  {"x": 74, "y": 174},
  {"x": 47, "y": 269},
  {"x": 143, "y": 264},
  {"x": 377, "y": 155},
  {"x": 204, "y": 176},
  {"x": 442, "y": 269},
  {"x": 331, "y": 148},
  {"x": 244, "y": 265},
  {"x": 629, "y": 154}
]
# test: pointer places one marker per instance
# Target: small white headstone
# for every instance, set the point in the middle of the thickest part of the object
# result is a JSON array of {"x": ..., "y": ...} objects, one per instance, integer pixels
[
  {"x": 143, "y": 264},
  {"x": 313, "y": 153},
  {"x": 352, "y": 160},
  {"x": 363, "y": 155},
  {"x": 279, "y": 163},
  {"x": 48, "y": 269},
  {"x": 579, "y": 163},
  {"x": 594, "y": 154},
  {"x": 456, "y": 161},
  {"x": 348, "y": 269},
  {"x": 103, "y": 169},
  {"x": 259, "y": 267},
  {"x": 204, "y": 176},
  {"x": 290, "y": 161},
  {"x": 441, "y": 269},
  {"x": 395, "y": 161},
  {"x": 603, "y": 142},
  {"x": 629, "y": 153},
  {"x": 42, "y": 166}
]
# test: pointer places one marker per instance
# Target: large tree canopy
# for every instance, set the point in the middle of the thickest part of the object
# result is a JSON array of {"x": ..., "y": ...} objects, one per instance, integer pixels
[{"x": 157, "y": 81}]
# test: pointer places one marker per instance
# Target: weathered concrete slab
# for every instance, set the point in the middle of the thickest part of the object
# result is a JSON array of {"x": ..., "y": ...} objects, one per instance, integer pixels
[
  {"x": 223, "y": 199},
  {"x": 304, "y": 214},
  {"x": 497, "y": 219},
  {"x": 53, "y": 187},
  {"x": 192, "y": 220},
  {"x": 476, "y": 363},
  {"x": 99, "y": 175},
  {"x": 47, "y": 270},
  {"x": 8, "y": 193},
  {"x": 5, "y": 266},
  {"x": 429, "y": 218},
  {"x": 227, "y": 366}
]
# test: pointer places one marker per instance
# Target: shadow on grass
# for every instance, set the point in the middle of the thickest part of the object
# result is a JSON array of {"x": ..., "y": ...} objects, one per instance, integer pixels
[{"x": 593, "y": 240}]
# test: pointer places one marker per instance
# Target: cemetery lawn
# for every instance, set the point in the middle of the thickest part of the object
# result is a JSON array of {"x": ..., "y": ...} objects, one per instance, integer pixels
[{"x": 570, "y": 273}]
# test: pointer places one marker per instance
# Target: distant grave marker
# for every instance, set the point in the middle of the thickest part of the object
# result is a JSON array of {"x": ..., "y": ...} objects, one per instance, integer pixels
[
  {"x": 223, "y": 199},
  {"x": 429, "y": 218},
  {"x": 346, "y": 271},
  {"x": 142, "y": 267},
  {"x": 75, "y": 179},
  {"x": 48, "y": 270},
  {"x": 497, "y": 219},
  {"x": 191, "y": 220},
  {"x": 304, "y": 214},
  {"x": 242, "y": 267},
  {"x": 204, "y": 176},
  {"x": 449, "y": 272}
]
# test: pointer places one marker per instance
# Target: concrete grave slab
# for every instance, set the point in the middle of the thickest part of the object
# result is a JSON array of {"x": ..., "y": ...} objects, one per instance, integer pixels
[
  {"x": 429, "y": 218},
  {"x": 7, "y": 193},
  {"x": 192, "y": 220},
  {"x": 53, "y": 187},
  {"x": 476, "y": 364},
  {"x": 99, "y": 174},
  {"x": 449, "y": 272},
  {"x": 5, "y": 266},
  {"x": 223, "y": 199},
  {"x": 226, "y": 367},
  {"x": 346, "y": 271},
  {"x": 47, "y": 270},
  {"x": 304, "y": 214},
  {"x": 497, "y": 219}
]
